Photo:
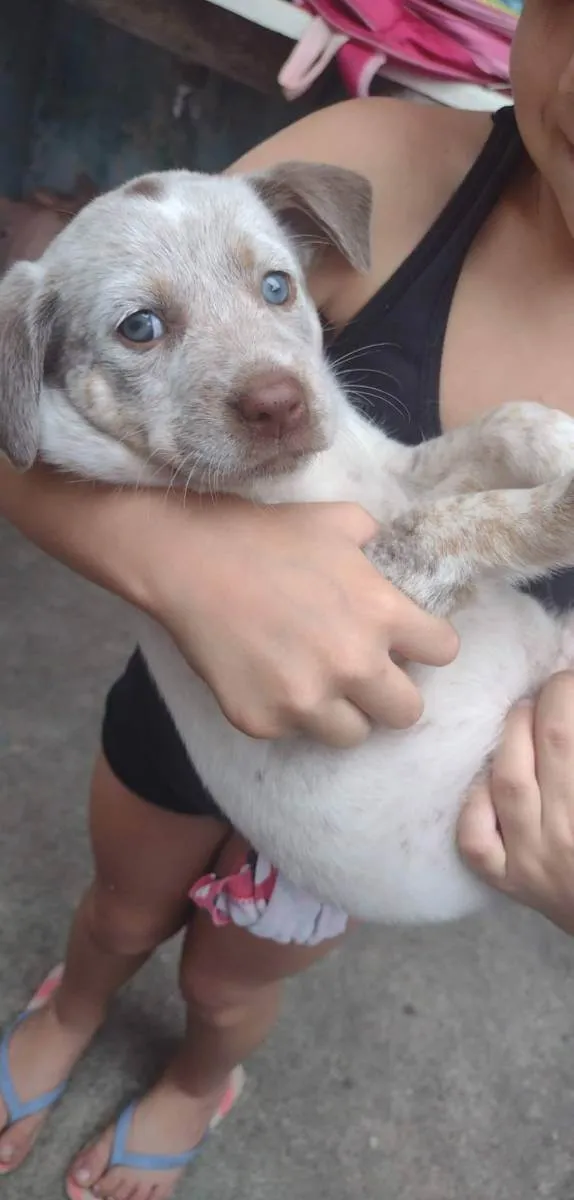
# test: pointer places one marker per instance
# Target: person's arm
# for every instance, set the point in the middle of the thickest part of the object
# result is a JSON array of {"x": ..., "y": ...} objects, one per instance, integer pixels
[
  {"x": 517, "y": 828},
  {"x": 100, "y": 532},
  {"x": 277, "y": 609}
]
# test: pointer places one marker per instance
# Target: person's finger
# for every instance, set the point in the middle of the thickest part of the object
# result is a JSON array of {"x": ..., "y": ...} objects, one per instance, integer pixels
[
  {"x": 337, "y": 723},
  {"x": 513, "y": 785},
  {"x": 390, "y": 698},
  {"x": 554, "y": 751},
  {"x": 420, "y": 637},
  {"x": 478, "y": 836},
  {"x": 348, "y": 519}
]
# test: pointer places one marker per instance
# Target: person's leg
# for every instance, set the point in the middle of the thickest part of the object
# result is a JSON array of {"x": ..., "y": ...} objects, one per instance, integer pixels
[
  {"x": 146, "y": 859},
  {"x": 231, "y": 983}
]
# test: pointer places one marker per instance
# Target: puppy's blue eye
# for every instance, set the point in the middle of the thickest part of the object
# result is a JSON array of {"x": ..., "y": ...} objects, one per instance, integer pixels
[
  {"x": 142, "y": 327},
  {"x": 276, "y": 287}
]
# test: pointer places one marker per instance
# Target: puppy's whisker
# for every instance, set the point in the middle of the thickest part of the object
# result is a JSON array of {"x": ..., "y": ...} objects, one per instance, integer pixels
[
  {"x": 360, "y": 371},
  {"x": 377, "y": 393},
  {"x": 364, "y": 398},
  {"x": 351, "y": 355}
]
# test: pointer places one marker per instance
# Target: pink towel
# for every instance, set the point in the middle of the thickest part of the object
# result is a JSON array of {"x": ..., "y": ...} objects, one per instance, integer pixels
[
  {"x": 467, "y": 41},
  {"x": 489, "y": 49},
  {"x": 257, "y": 897}
]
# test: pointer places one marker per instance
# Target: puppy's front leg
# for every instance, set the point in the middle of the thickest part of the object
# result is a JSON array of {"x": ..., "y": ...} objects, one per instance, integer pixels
[
  {"x": 435, "y": 554},
  {"x": 515, "y": 446}
]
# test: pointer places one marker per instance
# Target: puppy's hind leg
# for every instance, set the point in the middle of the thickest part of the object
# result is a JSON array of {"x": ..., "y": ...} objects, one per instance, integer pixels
[
  {"x": 518, "y": 445},
  {"x": 436, "y": 553}
]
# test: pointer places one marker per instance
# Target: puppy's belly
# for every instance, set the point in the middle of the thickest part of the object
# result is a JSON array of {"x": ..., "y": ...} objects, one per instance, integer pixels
[{"x": 372, "y": 829}]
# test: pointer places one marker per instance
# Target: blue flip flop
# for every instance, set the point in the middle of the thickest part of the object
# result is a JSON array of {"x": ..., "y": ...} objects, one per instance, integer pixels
[
  {"x": 122, "y": 1157},
  {"x": 17, "y": 1108}
]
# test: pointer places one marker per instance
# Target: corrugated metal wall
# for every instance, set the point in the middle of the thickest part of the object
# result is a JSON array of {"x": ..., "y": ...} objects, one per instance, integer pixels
[{"x": 76, "y": 94}]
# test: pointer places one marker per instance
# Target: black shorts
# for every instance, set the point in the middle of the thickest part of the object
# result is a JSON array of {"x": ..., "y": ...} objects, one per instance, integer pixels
[{"x": 144, "y": 749}]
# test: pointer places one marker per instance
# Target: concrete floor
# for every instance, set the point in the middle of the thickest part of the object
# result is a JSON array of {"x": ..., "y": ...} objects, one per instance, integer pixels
[
  {"x": 410, "y": 1066},
  {"x": 433, "y": 1065}
]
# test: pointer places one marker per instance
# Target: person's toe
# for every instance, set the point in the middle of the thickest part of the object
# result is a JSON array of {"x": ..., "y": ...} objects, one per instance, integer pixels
[
  {"x": 5, "y": 1139},
  {"x": 145, "y": 1191},
  {"x": 162, "y": 1191},
  {"x": 90, "y": 1165},
  {"x": 16, "y": 1142},
  {"x": 125, "y": 1190},
  {"x": 118, "y": 1184},
  {"x": 112, "y": 1184},
  {"x": 133, "y": 1191}
]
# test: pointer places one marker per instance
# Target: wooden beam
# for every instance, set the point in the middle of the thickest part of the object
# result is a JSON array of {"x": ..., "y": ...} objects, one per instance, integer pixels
[{"x": 201, "y": 33}]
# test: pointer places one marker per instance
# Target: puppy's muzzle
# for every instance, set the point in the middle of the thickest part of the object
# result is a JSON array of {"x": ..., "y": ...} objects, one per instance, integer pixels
[{"x": 273, "y": 405}]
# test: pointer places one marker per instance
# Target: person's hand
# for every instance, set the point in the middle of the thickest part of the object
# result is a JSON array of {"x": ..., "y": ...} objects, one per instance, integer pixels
[
  {"x": 292, "y": 628},
  {"x": 517, "y": 828},
  {"x": 277, "y": 609}
]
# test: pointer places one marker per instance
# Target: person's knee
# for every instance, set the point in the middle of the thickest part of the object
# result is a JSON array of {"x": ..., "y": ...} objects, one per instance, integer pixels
[
  {"x": 116, "y": 927},
  {"x": 223, "y": 1002}
]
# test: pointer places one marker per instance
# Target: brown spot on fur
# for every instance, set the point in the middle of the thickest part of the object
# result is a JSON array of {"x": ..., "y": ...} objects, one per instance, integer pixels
[
  {"x": 496, "y": 530},
  {"x": 435, "y": 555},
  {"x": 148, "y": 186},
  {"x": 167, "y": 304},
  {"x": 537, "y": 534},
  {"x": 251, "y": 272},
  {"x": 245, "y": 257},
  {"x": 101, "y": 407}
]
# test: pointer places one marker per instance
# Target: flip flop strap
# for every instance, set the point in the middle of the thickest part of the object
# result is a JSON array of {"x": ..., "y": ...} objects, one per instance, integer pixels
[
  {"x": 15, "y": 1107},
  {"x": 122, "y": 1157}
]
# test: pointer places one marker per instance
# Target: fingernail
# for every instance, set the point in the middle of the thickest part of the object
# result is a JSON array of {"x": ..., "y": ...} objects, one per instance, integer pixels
[
  {"x": 6, "y": 1153},
  {"x": 82, "y": 1176}
]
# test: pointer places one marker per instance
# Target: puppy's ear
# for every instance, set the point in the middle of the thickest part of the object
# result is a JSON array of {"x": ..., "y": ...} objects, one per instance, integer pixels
[
  {"x": 26, "y": 320},
  {"x": 318, "y": 203}
]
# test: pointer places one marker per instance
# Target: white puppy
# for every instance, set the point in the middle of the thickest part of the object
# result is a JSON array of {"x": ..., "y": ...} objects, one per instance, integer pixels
[{"x": 166, "y": 336}]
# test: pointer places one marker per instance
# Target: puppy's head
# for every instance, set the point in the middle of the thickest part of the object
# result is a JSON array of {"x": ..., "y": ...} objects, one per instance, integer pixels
[{"x": 171, "y": 320}]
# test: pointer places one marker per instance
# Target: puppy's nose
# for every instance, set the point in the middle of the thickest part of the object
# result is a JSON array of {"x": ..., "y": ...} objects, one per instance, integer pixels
[{"x": 274, "y": 402}]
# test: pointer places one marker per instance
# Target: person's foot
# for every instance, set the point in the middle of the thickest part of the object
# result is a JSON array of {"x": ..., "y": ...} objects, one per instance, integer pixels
[
  {"x": 166, "y": 1122},
  {"x": 41, "y": 1054}
]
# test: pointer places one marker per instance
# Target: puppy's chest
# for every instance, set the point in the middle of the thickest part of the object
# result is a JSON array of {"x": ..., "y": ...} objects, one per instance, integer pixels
[{"x": 360, "y": 467}]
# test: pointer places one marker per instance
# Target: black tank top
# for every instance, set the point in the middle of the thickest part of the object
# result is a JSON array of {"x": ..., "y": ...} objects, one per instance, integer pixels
[
  {"x": 394, "y": 345},
  {"x": 392, "y": 350}
]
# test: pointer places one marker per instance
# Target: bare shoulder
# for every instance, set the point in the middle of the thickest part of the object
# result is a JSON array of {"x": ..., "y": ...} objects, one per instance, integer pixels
[
  {"x": 368, "y": 135},
  {"x": 414, "y": 155}
]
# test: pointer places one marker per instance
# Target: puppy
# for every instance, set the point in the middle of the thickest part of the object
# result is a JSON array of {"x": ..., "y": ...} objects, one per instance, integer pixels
[{"x": 167, "y": 337}]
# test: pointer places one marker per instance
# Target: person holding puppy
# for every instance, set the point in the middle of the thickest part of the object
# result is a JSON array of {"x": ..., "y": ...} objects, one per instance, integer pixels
[{"x": 465, "y": 306}]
